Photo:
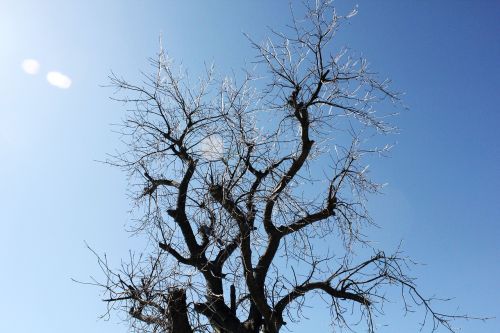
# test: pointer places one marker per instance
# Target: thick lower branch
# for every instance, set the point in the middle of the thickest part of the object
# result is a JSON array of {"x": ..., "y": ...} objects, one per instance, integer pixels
[
  {"x": 324, "y": 286},
  {"x": 179, "y": 214},
  {"x": 175, "y": 254},
  {"x": 155, "y": 183}
]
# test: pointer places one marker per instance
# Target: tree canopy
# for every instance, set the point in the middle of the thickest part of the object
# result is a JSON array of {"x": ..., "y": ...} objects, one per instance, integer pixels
[{"x": 252, "y": 189}]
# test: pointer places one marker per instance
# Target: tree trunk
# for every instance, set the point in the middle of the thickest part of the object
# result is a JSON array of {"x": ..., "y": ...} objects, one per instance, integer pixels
[{"x": 177, "y": 311}]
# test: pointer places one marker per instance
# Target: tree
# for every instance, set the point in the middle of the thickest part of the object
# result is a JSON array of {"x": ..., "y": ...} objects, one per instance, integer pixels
[{"x": 252, "y": 190}]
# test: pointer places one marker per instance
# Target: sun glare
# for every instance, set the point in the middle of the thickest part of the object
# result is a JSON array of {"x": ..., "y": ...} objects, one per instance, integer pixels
[
  {"x": 30, "y": 66},
  {"x": 58, "y": 80}
]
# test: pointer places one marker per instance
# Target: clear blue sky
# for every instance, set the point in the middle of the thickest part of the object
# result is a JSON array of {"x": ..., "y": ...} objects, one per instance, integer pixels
[{"x": 443, "y": 176}]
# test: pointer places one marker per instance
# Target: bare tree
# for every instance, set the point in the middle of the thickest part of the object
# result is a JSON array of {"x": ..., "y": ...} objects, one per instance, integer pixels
[{"x": 253, "y": 190}]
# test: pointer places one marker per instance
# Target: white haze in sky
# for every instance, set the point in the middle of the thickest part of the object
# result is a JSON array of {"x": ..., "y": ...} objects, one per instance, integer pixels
[
  {"x": 30, "y": 66},
  {"x": 59, "y": 80},
  {"x": 212, "y": 147}
]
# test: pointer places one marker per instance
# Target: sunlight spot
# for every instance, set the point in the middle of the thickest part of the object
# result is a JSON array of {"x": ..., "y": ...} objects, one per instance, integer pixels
[
  {"x": 30, "y": 66},
  {"x": 59, "y": 80},
  {"x": 212, "y": 147}
]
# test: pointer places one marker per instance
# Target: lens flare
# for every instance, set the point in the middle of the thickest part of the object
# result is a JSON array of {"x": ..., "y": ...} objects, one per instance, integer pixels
[
  {"x": 59, "y": 80},
  {"x": 30, "y": 66}
]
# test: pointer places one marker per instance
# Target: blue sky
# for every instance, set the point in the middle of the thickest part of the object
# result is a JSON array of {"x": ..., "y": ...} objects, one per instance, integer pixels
[{"x": 444, "y": 174}]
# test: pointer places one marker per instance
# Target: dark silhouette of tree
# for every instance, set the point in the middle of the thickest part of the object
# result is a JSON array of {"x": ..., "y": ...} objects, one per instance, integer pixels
[{"x": 252, "y": 191}]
